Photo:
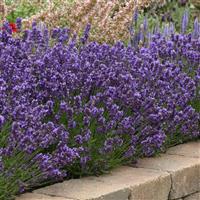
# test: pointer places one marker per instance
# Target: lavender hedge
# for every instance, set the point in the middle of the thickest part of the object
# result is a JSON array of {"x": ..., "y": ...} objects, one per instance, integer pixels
[{"x": 69, "y": 108}]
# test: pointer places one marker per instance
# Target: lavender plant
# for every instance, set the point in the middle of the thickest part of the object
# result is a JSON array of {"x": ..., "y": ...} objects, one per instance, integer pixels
[
  {"x": 172, "y": 11},
  {"x": 70, "y": 108},
  {"x": 142, "y": 30}
]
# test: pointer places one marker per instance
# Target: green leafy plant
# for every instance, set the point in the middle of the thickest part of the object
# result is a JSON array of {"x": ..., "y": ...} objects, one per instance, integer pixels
[
  {"x": 23, "y": 9},
  {"x": 172, "y": 11}
]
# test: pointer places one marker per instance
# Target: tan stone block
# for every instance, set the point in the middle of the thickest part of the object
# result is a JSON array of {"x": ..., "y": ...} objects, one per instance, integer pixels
[
  {"x": 154, "y": 190},
  {"x": 185, "y": 172},
  {"x": 195, "y": 196},
  {"x": 33, "y": 196},
  {"x": 190, "y": 149},
  {"x": 178, "y": 170},
  {"x": 114, "y": 186}
]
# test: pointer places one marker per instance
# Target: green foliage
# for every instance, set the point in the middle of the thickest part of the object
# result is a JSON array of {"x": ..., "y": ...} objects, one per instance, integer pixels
[
  {"x": 23, "y": 9},
  {"x": 171, "y": 12}
]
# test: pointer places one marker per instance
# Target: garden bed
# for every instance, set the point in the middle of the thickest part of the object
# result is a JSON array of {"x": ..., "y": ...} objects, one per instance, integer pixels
[
  {"x": 73, "y": 107},
  {"x": 174, "y": 175}
]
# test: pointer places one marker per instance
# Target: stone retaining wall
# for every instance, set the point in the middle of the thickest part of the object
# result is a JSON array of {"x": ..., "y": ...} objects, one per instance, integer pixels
[{"x": 170, "y": 176}]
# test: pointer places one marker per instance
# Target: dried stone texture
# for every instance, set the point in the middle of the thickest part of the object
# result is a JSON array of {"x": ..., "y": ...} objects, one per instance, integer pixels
[
  {"x": 191, "y": 149},
  {"x": 115, "y": 186},
  {"x": 185, "y": 172},
  {"x": 195, "y": 196},
  {"x": 31, "y": 196}
]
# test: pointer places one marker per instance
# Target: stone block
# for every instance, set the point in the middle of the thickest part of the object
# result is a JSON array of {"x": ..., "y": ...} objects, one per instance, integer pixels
[
  {"x": 185, "y": 172},
  {"x": 195, "y": 196},
  {"x": 32, "y": 196},
  {"x": 190, "y": 149},
  {"x": 121, "y": 184}
]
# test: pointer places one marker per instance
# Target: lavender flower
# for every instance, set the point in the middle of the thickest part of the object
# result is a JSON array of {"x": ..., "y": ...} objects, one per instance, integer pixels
[
  {"x": 2, "y": 120},
  {"x": 135, "y": 13},
  {"x": 85, "y": 36},
  {"x": 196, "y": 30},
  {"x": 145, "y": 23},
  {"x": 185, "y": 21},
  {"x": 19, "y": 23}
]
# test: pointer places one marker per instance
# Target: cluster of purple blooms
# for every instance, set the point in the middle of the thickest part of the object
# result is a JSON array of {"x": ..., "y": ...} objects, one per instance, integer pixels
[
  {"x": 141, "y": 34},
  {"x": 70, "y": 107}
]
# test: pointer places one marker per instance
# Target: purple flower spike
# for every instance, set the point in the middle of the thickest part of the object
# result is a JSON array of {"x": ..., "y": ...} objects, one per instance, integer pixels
[{"x": 185, "y": 21}]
